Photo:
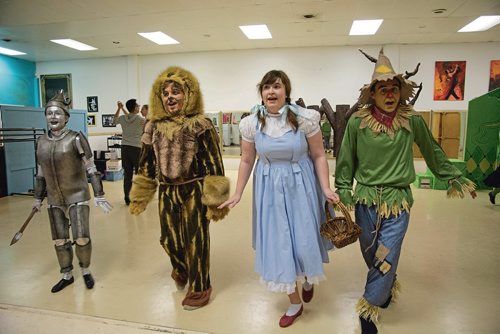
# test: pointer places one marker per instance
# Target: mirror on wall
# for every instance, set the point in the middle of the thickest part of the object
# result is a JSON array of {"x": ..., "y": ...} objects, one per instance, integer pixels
[{"x": 227, "y": 125}]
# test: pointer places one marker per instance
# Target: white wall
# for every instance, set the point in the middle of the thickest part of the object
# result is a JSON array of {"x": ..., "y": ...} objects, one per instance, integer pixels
[{"x": 228, "y": 78}]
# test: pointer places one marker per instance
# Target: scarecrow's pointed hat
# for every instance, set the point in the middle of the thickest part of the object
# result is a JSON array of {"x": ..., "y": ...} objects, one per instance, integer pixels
[
  {"x": 61, "y": 101},
  {"x": 384, "y": 71}
]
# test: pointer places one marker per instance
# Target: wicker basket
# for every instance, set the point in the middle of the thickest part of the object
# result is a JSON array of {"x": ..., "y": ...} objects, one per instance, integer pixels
[{"x": 342, "y": 231}]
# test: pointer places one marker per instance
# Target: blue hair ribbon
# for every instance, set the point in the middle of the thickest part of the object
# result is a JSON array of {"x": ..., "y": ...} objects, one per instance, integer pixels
[{"x": 282, "y": 112}]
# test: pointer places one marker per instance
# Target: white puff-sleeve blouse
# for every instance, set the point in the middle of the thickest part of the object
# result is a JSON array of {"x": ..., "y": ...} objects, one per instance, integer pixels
[{"x": 308, "y": 120}]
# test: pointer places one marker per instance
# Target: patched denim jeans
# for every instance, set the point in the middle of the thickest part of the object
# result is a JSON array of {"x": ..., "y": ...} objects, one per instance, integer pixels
[{"x": 388, "y": 241}]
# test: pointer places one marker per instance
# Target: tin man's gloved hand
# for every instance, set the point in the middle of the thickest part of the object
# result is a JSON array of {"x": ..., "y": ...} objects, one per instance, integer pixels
[
  {"x": 37, "y": 203},
  {"x": 103, "y": 204}
]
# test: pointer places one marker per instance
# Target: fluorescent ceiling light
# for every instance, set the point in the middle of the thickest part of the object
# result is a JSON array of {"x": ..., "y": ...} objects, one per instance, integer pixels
[
  {"x": 71, "y": 43},
  {"x": 10, "y": 52},
  {"x": 365, "y": 27},
  {"x": 482, "y": 23},
  {"x": 158, "y": 37},
  {"x": 259, "y": 31}
]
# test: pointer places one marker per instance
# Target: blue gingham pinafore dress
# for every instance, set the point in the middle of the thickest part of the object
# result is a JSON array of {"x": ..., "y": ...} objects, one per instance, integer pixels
[{"x": 287, "y": 213}]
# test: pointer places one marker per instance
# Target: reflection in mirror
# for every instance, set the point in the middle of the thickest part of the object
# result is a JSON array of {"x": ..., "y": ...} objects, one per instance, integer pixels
[{"x": 227, "y": 126}]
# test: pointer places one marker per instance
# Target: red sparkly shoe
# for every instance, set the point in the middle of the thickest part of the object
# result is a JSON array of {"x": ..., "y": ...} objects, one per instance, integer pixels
[{"x": 287, "y": 320}]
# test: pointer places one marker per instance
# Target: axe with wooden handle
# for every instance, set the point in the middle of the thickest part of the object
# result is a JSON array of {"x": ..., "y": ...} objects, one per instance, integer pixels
[{"x": 19, "y": 234}]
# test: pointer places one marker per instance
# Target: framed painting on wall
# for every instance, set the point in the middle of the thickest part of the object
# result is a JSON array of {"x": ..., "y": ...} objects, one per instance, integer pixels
[
  {"x": 107, "y": 121},
  {"x": 494, "y": 75},
  {"x": 92, "y": 104},
  {"x": 91, "y": 120},
  {"x": 51, "y": 84},
  {"x": 449, "y": 80}
]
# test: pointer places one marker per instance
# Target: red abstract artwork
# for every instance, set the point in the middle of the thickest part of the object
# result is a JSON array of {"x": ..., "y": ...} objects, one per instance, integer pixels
[
  {"x": 494, "y": 75},
  {"x": 449, "y": 80}
]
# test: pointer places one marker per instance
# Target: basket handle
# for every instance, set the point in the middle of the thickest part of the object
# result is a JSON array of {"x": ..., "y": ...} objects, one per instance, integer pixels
[{"x": 342, "y": 207}]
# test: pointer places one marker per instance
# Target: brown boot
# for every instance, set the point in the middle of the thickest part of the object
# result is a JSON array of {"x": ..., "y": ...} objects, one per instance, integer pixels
[
  {"x": 195, "y": 300},
  {"x": 180, "y": 280}
]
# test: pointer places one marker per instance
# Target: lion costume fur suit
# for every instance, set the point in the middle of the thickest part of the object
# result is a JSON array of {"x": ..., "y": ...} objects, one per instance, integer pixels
[{"x": 181, "y": 157}]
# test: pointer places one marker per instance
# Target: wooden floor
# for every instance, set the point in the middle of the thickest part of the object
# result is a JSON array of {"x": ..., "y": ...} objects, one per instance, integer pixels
[{"x": 449, "y": 270}]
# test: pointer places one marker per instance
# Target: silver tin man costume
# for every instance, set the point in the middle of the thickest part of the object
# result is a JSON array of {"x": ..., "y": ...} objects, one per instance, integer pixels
[{"x": 64, "y": 161}]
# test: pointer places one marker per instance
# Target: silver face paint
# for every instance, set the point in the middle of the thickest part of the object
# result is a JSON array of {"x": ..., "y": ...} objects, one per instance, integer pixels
[{"x": 56, "y": 119}]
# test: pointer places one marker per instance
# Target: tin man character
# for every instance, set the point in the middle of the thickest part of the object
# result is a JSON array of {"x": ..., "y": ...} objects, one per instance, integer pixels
[{"x": 64, "y": 160}]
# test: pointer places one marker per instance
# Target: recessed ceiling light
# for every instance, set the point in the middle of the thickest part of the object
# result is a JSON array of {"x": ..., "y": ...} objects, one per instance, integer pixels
[
  {"x": 365, "y": 27},
  {"x": 158, "y": 37},
  {"x": 71, "y": 43},
  {"x": 259, "y": 31},
  {"x": 11, "y": 52},
  {"x": 482, "y": 23}
]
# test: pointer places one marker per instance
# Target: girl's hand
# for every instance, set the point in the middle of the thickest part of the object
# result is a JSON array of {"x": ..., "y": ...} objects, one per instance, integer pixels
[
  {"x": 231, "y": 202},
  {"x": 331, "y": 196}
]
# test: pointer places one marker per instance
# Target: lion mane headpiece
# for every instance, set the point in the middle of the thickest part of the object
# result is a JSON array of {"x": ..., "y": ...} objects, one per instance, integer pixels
[{"x": 193, "y": 101}]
